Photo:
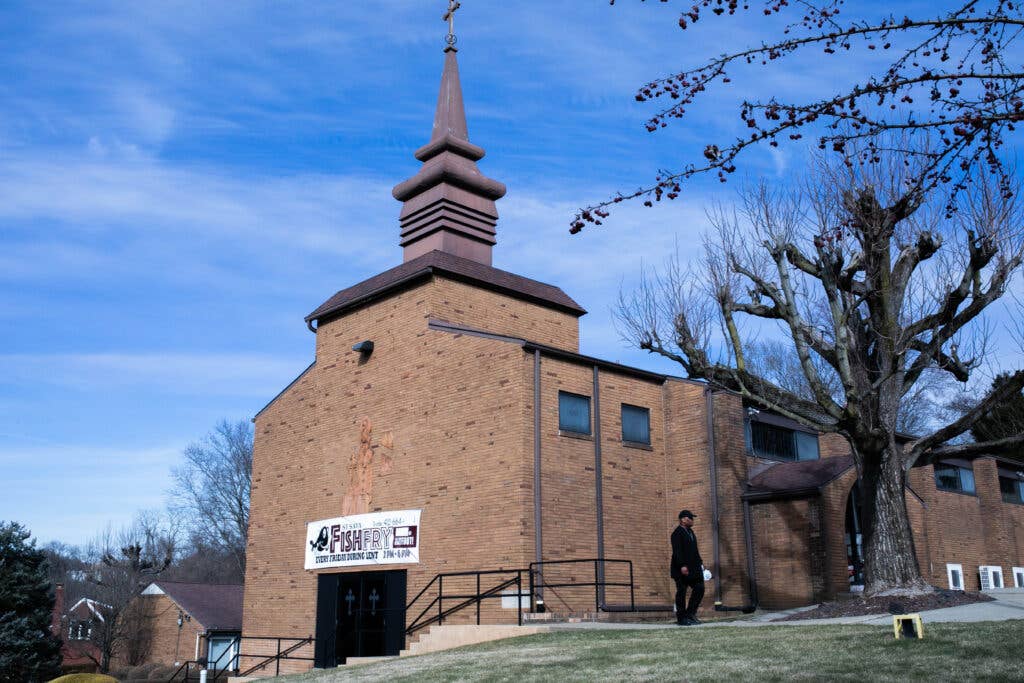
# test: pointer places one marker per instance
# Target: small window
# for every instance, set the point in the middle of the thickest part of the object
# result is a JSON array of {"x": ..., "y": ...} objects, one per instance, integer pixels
[
  {"x": 955, "y": 574},
  {"x": 1012, "y": 490},
  {"x": 991, "y": 576},
  {"x": 780, "y": 443},
  {"x": 573, "y": 413},
  {"x": 636, "y": 424},
  {"x": 955, "y": 478},
  {"x": 1018, "y": 577}
]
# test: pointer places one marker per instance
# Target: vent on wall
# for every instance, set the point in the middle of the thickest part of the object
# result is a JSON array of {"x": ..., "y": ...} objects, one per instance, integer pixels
[
  {"x": 991, "y": 577},
  {"x": 1018, "y": 577},
  {"x": 955, "y": 575}
]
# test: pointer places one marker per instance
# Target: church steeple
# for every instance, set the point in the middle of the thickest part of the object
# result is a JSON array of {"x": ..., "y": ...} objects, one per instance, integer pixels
[{"x": 449, "y": 204}]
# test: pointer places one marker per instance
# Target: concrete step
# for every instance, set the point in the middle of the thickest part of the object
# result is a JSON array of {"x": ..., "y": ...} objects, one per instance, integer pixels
[
  {"x": 446, "y": 637},
  {"x": 353, "y": 661}
]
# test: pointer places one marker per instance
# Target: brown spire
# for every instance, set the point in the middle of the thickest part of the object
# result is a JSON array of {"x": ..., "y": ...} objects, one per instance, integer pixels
[{"x": 449, "y": 204}]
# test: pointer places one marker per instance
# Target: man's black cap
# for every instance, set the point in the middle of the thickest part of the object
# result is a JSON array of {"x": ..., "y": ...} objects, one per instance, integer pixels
[{"x": 686, "y": 513}]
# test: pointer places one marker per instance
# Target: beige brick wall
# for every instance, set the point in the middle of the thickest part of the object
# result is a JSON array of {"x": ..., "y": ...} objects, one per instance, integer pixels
[
  {"x": 970, "y": 530},
  {"x": 783, "y": 545},
  {"x": 457, "y": 409},
  {"x": 465, "y": 304},
  {"x": 167, "y": 643}
]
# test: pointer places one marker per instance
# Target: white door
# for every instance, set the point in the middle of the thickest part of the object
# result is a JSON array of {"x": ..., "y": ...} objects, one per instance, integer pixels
[{"x": 223, "y": 652}]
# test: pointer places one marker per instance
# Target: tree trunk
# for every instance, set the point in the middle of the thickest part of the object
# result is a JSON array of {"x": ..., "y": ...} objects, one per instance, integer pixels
[{"x": 890, "y": 560}]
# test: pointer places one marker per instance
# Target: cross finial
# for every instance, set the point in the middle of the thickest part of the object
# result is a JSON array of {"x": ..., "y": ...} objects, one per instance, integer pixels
[{"x": 449, "y": 16}]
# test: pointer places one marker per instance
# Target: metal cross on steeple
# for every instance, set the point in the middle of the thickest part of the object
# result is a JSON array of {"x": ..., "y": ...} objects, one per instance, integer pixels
[{"x": 449, "y": 16}]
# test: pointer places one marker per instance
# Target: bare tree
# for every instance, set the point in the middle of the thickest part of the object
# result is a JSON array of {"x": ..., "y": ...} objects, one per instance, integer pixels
[
  {"x": 873, "y": 288},
  {"x": 212, "y": 488},
  {"x": 954, "y": 74},
  {"x": 919, "y": 409},
  {"x": 124, "y": 563}
]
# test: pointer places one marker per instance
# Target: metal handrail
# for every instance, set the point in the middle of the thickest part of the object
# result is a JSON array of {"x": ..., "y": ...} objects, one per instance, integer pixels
[
  {"x": 468, "y": 598},
  {"x": 598, "y": 583},
  {"x": 185, "y": 665},
  {"x": 285, "y": 654}
]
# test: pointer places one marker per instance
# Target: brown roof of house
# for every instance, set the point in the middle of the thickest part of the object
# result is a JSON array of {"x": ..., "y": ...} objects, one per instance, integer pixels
[
  {"x": 218, "y": 607},
  {"x": 793, "y": 478},
  {"x": 442, "y": 263}
]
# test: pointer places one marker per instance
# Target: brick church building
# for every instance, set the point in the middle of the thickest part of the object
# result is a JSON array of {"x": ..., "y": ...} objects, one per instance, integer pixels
[{"x": 456, "y": 391}]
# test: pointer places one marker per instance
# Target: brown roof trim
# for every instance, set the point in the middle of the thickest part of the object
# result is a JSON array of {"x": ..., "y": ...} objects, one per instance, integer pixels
[
  {"x": 571, "y": 356},
  {"x": 574, "y": 357},
  {"x": 448, "y": 265}
]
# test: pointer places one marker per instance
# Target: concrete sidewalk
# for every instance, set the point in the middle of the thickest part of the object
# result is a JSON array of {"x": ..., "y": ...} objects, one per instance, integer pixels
[{"x": 1008, "y": 604}]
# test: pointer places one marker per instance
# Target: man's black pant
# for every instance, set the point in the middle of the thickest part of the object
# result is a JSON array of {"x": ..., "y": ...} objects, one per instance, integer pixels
[{"x": 696, "y": 587}]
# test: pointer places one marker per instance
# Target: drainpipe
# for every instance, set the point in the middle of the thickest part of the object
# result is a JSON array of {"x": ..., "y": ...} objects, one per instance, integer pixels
[
  {"x": 538, "y": 536},
  {"x": 748, "y": 538},
  {"x": 713, "y": 460},
  {"x": 598, "y": 490}
]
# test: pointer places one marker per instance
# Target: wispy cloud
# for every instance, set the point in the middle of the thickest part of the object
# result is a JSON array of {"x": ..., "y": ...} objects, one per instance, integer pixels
[{"x": 234, "y": 374}]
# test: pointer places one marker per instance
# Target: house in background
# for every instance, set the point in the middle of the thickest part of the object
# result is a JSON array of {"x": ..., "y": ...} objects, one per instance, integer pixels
[
  {"x": 191, "y": 621},
  {"x": 75, "y": 629}
]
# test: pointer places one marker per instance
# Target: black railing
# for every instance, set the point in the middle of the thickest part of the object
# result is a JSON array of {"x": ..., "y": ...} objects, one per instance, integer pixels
[
  {"x": 465, "y": 599},
  {"x": 214, "y": 670},
  {"x": 277, "y": 657},
  {"x": 537, "y": 581}
]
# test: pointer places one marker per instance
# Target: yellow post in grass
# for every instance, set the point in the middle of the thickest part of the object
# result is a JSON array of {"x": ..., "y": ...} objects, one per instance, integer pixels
[{"x": 907, "y": 625}]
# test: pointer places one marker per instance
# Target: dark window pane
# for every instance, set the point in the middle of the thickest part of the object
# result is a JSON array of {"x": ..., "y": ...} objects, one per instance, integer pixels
[
  {"x": 946, "y": 478},
  {"x": 1010, "y": 488},
  {"x": 806, "y": 446},
  {"x": 769, "y": 441},
  {"x": 954, "y": 575},
  {"x": 573, "y": 413},
  {"x": 636, "y": 424},
  {"x": 954, "y": 478}
]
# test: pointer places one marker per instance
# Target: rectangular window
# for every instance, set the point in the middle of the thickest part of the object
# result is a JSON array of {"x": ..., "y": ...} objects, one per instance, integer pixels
[
  {"x": 636, "y": 424},
  {"x": 780, "y": 443},
  {"x": 1012, "y": 490},
  {"x": 573, "y": 413},
  {"x": 955, "y": 478},
  {"x": 1018, "y": 577},
  {"x": 955, "y": 574},
  {"x": 991, "y": 577}
]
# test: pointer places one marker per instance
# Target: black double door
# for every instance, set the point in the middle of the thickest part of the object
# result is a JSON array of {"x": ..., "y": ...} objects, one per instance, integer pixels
[{"x": 359, "y": 614}]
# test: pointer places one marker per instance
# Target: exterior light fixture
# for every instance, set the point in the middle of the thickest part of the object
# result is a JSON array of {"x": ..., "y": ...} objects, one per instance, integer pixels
[{"x": 364, "y": 347}]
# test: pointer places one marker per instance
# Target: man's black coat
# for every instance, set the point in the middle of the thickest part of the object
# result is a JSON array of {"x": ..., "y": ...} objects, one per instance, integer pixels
[{"x": 685, "y": 553}]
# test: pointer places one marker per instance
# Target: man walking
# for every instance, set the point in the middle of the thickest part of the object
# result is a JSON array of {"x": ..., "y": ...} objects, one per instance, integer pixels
[{"x": 687, "y": 570}]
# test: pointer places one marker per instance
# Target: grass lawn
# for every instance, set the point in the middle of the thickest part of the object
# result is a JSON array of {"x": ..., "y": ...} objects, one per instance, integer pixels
[{"x": 988, "y": 651}]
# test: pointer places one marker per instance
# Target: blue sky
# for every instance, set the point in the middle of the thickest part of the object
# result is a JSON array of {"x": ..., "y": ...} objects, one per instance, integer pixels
[{"x": 182, "y": 182}]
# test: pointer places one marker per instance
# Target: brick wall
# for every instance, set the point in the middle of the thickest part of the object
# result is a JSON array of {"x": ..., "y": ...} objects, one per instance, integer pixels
[
  {"x": 465, "y": 304},
  {"x": 783, "y": 545},
  {"x": 970, "y": 530},
  {"x": 457, "y": 409},
  {"x": 167, "y": 643}
]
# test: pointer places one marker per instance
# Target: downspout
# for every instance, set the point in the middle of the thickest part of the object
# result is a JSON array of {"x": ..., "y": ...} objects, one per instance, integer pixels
[
  {"x": 598, "y": 489},
  {"x": 751, "y": 567},
  {"x": 538, "y": 535},
  {"x": 713, "y": 460}
]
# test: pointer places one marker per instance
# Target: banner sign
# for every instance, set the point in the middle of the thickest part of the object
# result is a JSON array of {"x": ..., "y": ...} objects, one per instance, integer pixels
[{"x": 374, "y": 538}]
